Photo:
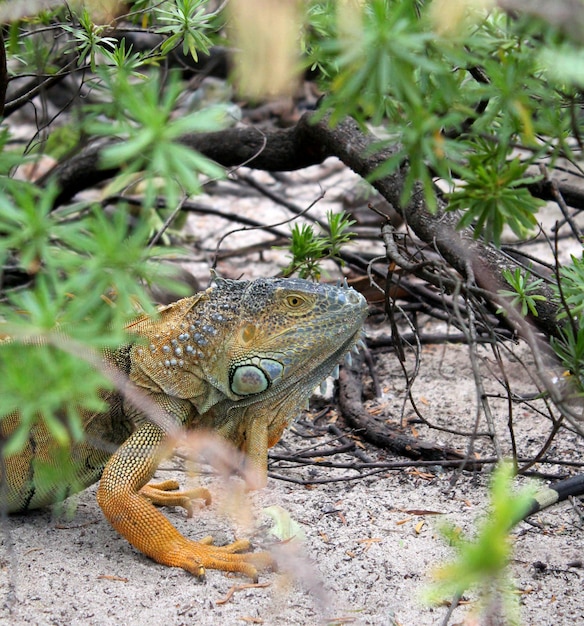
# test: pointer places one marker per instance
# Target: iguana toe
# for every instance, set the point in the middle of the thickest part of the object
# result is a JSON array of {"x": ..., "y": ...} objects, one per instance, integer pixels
[
  {"x": 196, "y": 557},
  {"x": 166, "y": 494}
]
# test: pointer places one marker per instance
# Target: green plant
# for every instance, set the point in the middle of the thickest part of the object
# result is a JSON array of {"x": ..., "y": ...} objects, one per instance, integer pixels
[
  {"x": 141, "y": 115},
  {"x": 523, "y": 292},
  {"x": 495, "y": 193},
  {"x": 88, "y": 39},
  {"x": 87, "y": 279},
  {"x": 481, "y": 562},
  {"x": 569, "y": 343},
  {"x": 452, "y": 90},
  {"x": 87, "y": 266},
  {"x": 569, "y": 347},
  {"x": 308, "y": 249},
  {"x": 186, "y": 22},
  {"x": 571, "y": 277}
]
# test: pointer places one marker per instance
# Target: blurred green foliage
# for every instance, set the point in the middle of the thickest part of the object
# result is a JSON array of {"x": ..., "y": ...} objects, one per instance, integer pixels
[{"x": 469, "y": 96}]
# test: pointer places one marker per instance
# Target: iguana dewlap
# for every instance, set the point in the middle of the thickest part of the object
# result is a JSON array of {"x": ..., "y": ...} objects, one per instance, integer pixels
[{"x": 241, "y": 358}]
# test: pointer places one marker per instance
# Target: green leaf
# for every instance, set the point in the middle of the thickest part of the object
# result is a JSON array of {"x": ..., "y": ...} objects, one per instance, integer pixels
[
  {"x": 285, "y": 528},
  {"x": 493, "y": 196}
]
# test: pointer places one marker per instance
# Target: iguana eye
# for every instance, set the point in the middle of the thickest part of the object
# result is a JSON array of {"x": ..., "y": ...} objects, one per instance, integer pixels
[
  {"x": 253, "y": 378},
  {"x": 294, "y": 301}
]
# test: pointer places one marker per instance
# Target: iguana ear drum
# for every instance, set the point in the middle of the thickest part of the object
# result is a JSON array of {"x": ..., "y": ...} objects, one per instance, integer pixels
[{"x": 249, "y": 379}]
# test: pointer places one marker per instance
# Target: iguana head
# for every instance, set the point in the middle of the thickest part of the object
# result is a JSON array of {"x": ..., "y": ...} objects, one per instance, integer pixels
[{"x": 284, "y": 333}]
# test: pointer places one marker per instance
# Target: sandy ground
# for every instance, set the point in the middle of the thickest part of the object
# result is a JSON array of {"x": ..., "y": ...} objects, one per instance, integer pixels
[{"x": 369, "y": 548}]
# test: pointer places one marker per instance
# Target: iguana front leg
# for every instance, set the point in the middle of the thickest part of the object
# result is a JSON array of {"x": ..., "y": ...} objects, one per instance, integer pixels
[
  {"x": 255, "y": 429},
  {"x": 259, "y": 436},
  {"x": 146, "y": 528}
]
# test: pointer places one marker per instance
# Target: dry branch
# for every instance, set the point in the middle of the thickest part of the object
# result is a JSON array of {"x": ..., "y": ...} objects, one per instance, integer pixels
[{"x": 374, "y": 428}]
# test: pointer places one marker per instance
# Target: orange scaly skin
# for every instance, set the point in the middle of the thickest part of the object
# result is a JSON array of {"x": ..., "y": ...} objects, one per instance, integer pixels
[{"x": 242, "y": 359}]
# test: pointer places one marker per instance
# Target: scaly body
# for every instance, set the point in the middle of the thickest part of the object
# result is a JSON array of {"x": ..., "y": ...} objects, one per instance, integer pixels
[{"x": 241, "y": 358}]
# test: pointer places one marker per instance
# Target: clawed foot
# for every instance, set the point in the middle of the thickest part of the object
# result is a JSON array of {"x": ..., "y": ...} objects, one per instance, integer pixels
[
  {"x": 166, "y": 494},
  {"x": 196, "y": 557}
]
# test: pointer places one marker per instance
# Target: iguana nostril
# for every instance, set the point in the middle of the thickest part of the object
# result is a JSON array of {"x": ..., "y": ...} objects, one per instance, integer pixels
[{"x": 354, "y": 297}]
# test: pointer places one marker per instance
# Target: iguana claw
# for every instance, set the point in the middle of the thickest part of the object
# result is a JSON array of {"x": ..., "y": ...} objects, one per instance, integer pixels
[{"x": 196, "y": 557}]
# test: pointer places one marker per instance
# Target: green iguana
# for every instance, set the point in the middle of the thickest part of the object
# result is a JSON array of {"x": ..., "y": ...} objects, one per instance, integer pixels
[{"x": 241, "y": 358}]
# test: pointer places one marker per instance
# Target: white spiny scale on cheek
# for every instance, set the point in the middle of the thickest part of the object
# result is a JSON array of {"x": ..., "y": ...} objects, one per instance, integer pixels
[{"x": 247, "y": 380}]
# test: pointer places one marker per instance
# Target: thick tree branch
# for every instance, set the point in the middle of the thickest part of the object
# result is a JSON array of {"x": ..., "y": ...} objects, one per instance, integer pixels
[
  {"x": 310, "y": 143},
  {"x": 274, "y": 151},
  {"x": 474, "y": 260}
]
